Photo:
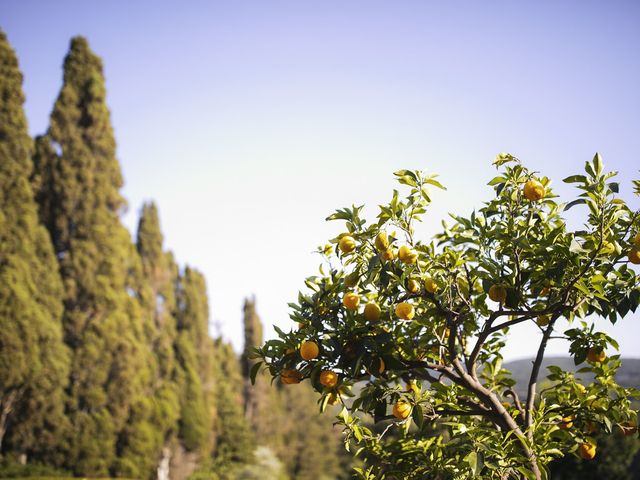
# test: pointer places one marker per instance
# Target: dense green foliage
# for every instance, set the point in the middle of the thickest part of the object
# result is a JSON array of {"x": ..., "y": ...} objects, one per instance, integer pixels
[
  {"x": 426, "y": 350},
  {"x": 107, "y": 367},
  {"x": 33, "y": 358}
]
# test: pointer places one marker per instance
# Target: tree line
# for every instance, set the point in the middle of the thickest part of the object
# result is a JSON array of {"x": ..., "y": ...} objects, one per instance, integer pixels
[{"x": 107, "y": 367}]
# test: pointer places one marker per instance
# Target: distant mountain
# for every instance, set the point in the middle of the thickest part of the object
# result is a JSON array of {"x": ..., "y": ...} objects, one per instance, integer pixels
[{"x": 628, "y": 374}]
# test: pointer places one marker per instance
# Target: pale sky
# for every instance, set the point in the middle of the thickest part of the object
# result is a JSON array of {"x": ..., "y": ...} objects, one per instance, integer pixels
[{"x": 248, "y": 122}]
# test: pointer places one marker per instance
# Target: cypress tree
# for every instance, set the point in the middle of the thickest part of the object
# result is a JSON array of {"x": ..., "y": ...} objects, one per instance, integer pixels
[
  {"x": 33, "y": 358},
  {"x": 78, "y": 179},
  {"x": 153, "y": 418},
  {"x": 193, "y": 352}
]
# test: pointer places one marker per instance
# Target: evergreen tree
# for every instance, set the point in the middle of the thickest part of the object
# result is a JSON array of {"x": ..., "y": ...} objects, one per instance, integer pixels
[
  {"x": 193, "y": 352},
  {"x": 33, "y": 358},
  {"x": 153, "y": 418},
  {"x": 78, "y": 179}
]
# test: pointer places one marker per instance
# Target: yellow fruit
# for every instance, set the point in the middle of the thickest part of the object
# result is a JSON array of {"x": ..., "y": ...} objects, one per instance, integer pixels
[
  {"x": 636, "y": 240},
  {"x": 567, "y": 422},
  {"x": 382, "y": 242},
  {"x": 543, "y": 320},
  {"x": 401, "y": 409},
  {"x": 412, "y": 386},
  {"x": 595, "y": 355},
  {"x": 413, "y": 286},
  {"x": 309, "y": 350},
  {"x": 430, "y": 285},
  {"x": 405, "y": 311},
  {"x": 388, "y": 254},
  {"x": 587, "y": 450},
  {"x": 407, "y": 255},
  {"x": 329, "y": 378},
  {"x": 634, "y": 256},
  {"x": 533, "y": 190},
  {"x": 372, "y": 312},
  {"x": 334, "y": 398},
  {"x": 351, "y": 301},
  {"x": 498, "y": 293},
  {"x": 290, "y": 376},
  {"x": 347, "y": 244}
]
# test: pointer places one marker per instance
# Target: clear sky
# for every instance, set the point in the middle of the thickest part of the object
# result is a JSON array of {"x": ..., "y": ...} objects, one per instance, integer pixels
[{"x": 248, "y": 122}]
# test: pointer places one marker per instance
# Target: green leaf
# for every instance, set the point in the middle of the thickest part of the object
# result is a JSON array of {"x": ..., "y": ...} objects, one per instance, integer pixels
[{"x": 254, "y": 372}]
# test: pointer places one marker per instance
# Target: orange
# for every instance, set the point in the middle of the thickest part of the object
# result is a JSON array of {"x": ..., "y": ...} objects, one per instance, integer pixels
[
  {"x": 587, "y": 450},
  {"x": 290, "y": 376},
  {"x": 329, "y": 378},
  {"x": 413, "y": 286},
  {"x": 347, "y": 244},
  {"x": 567, "y": 422},
  {"x": 634, "y": 256},
  {"x": 405, "y": 311},
  {"x": 309, "y": 350},
  {"x": 372, "y": 312},
  {"x": 498, "y": 293},
  {"x": 407, "y": 255},
  {"x": 382, "y": 242},
  {"x": 388, "y": 254},
  {"x": 636, "y": 240},
  {"x": 401, "y": 409},
  {"x": 533, "y": 190},
  {"x": 595, "y": 355},
  {"x": 351, "y": 301},
  {"x": 430, "y": 285}
]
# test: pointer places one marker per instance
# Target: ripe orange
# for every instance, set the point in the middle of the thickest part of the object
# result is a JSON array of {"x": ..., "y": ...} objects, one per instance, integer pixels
[
  {"x": 407, "y": 255},
  {"x": 347, "y": 244},
  {"x": 401, "y": 409},
  {"x": 405, "y": 311},
  {"x": 382, "y": 242},
  {"x": 329, "y": 378},
  {"x": 351, "y": 301},
  {"x": 290, "y": 376},
  {"x": 634, "y": 255},
  {"x": 372, "y": 312},
  {"x": 587, "y": 450},
  {"x": 430, "y": 285},
  {"x": 388, "y": 254},
  {"x": 567, "y": 422},
  {"x": 543, "y": 320},
  {"x": 533, "y": 190},
  {"x": 309, "y": 350},
  {"x": 413, "y": 286},
  {"x": 595, "y": 355},
  {"x": 498, "y": 293},
  {"x": 636, "y": 240}
]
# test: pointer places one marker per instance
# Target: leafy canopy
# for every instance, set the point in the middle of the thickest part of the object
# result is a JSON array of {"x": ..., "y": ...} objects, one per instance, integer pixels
[{"x": 420, "y": 375}]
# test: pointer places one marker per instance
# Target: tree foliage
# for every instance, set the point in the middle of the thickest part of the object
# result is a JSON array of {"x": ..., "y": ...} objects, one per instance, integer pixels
[
  {"x": 423, "y": 357},
  {"x": 33, "y": 358}
]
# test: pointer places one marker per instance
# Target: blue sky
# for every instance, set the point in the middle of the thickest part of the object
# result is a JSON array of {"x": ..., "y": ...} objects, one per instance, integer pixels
[{"x": 249, "y": 121}]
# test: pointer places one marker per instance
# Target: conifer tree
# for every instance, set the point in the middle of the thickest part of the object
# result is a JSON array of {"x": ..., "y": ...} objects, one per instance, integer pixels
[
  {"x": 152, "y": 422},
  {"x": 193, "y": 352},
  {"x": 78, "y": 179},
  {"x": 33, "y": 358}
]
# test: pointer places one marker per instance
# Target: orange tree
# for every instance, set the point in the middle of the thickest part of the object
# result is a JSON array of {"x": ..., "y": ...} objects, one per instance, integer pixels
[{"x": 407, "y": 335}]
